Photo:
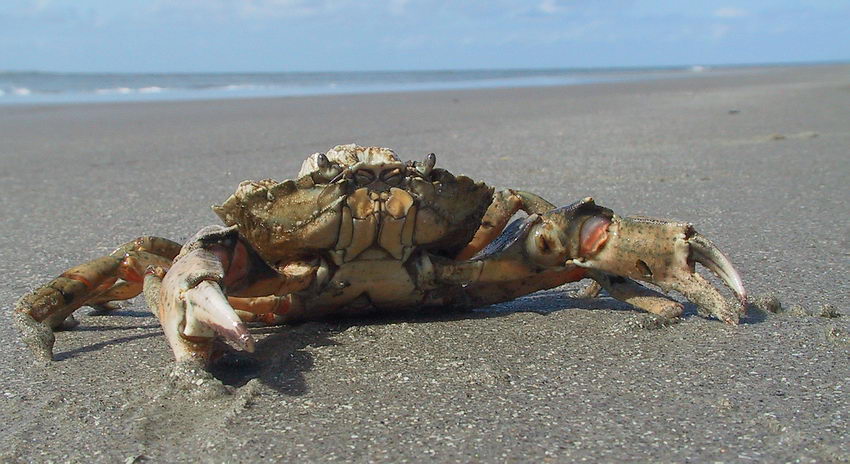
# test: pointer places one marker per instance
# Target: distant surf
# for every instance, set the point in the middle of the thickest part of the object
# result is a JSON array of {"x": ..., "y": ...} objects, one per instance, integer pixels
[{"x": 48, "y": 87}]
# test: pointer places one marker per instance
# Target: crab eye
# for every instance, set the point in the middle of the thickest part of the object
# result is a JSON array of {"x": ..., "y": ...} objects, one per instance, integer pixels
[
  {"x": 364, "y": 177},
  {"x": 326, "y": 171},
  {"x": 393, "y": 177}
]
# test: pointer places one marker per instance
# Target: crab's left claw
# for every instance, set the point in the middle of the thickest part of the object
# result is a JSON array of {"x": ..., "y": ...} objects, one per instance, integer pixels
[{"x": 663, "y": 253}]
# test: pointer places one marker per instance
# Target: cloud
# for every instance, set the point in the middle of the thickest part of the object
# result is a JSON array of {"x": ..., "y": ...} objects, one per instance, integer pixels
[
  {"x": 284, "y": 8},
  {"x": 250, "y": 9},
  {"x": 730, "y": 12},
  {"x": 49, "y": 12},
  {"x": 40, "y": 5},
  {"x": 397, "y": 7},
  {"x": 549, "y": 7}
]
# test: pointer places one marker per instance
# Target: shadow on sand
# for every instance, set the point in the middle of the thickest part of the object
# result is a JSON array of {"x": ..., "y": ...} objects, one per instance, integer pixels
[{"x": 282, "y": 357}]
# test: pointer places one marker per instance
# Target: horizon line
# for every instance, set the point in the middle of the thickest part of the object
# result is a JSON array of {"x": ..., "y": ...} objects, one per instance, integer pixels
[{"x": 445, "y": 70}]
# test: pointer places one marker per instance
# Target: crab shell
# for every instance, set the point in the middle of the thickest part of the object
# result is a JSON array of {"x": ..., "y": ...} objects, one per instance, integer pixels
[{"x": 328, "y": 210}]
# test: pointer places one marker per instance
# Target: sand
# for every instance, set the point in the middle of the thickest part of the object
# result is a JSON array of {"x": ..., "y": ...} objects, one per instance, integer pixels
[{"x": 757, "y": 158}]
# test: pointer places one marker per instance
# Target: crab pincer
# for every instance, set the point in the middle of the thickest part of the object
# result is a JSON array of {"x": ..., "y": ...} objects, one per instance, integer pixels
[
  {"x": 663, "y": 253},
  {"x": 192, "y": 308}
]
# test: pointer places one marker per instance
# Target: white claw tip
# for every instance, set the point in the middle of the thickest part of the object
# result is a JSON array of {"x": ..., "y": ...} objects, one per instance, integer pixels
[{"x": 206, "y": 305}]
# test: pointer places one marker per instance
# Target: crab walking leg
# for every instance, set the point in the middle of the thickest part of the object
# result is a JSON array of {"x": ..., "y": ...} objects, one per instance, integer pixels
[
  {"x": 126, "y": 289},
  {"x": 272, "y": 308},
  {"x": 626, "y": 290},
  {"x": 483, "y": 293},
  {"x": 631, "y": 292},
  {"x": 122, "y": 290},
  {"x": 267, "y": 309},
  {"x": 41, "y": 311},
  {"x": 501, "y": 287},
  {"x": 505, "y": 204}
]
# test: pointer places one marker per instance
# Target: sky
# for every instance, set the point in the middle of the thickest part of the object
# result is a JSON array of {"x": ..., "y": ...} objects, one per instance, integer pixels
[{"x": 347, "y": 35}]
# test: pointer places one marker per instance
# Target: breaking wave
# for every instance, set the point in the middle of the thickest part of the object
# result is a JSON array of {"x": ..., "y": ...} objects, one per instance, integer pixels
[{"x": 44, "y": 87}]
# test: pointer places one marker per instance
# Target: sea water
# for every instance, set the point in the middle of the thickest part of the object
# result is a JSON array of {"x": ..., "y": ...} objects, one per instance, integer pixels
[{"x": 49, "y": 87}]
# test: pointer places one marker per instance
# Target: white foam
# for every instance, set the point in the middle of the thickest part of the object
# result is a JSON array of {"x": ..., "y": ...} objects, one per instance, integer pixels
[
  {"x": 114, "y": 90},
  {"x": 21, "y": 91},
  {"x": 151, "y": 89},
  {"x": 240, "y": 87}
]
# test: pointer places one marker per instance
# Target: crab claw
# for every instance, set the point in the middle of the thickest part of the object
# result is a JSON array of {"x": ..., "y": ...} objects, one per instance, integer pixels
[
  {"x": 192, "y": 308},
  {"x": 207, "y": 309},
  {"x": 663, "y": 253}
]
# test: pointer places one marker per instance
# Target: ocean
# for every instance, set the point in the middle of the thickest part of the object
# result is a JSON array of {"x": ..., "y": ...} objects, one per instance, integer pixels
[{"x": 20, "y": 87}]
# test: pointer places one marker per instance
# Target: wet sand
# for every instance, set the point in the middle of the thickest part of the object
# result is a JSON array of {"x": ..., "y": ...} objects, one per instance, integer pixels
[{"x": 758, "y": 159}]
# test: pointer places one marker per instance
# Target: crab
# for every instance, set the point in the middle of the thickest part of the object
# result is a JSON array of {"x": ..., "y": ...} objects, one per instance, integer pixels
[{"x": 361, "y": 231}]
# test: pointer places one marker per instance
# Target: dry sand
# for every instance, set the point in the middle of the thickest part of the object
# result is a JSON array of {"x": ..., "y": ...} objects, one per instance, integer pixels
[{"x": 759, "y": 159}]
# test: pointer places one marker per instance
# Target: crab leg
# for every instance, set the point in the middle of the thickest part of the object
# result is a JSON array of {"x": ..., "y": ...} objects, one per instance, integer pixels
[
  {"x": 188, "y": 299},
  {"x": 44, "y": 309},
  {"x": 505, "y": 204},
  {"x": 267, "y": 309},
  {"x": 508, "y": 202},
  {"x": 192, "y": 308},
  {"x": 664, "y": 253},
  {"x": 585, "y": 240},
  {"x": 629, "y": 291},
  {"x": 215, "y": 283}
]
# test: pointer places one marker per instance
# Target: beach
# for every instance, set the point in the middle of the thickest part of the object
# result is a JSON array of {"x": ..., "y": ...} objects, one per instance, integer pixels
[{"x": 756, "y": 158}]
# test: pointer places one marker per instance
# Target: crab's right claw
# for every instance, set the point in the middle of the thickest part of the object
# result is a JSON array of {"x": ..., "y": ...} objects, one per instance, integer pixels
[
  {"x": 663, "y": 253},
  {"x": 207, "y": 310},
  {"x": 192, "y": 308}
]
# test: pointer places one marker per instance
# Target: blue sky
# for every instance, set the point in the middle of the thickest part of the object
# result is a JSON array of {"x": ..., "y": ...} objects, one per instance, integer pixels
[{"x": 309, "y": 35}]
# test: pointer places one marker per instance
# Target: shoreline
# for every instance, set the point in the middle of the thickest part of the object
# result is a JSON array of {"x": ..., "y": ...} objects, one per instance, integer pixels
[{"x": 147, "y": 88}]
